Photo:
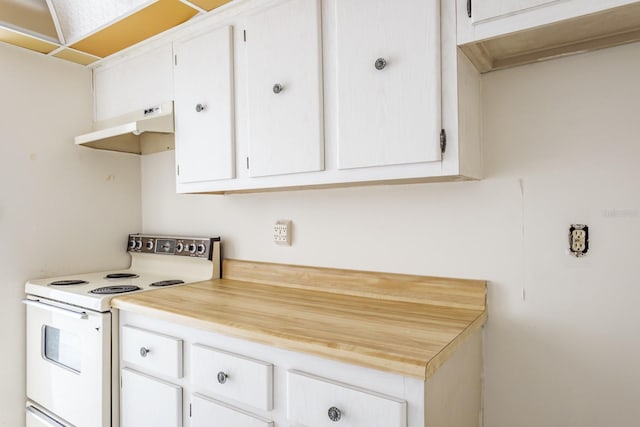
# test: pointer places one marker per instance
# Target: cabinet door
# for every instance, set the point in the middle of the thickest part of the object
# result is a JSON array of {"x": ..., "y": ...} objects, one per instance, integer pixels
[
  {"x": 204, "y": 107},
  {"x": 388, "y": 75},
  {"x": 204, "y": 410},
  {"x": 139, "y": 82},
  {"x": 283, "y": 47},
  {"x": 483, "y": 10},
  {"x": 147, "y": 401}
]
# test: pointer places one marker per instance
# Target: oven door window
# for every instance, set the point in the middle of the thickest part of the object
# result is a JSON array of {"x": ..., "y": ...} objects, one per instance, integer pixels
[{"x": 61, "y": 347}]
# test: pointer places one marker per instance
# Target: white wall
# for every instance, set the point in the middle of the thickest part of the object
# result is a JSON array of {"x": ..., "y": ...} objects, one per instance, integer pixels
[
  {"x": 63, "y": 209},
  {"x": 561, "y": 146}
]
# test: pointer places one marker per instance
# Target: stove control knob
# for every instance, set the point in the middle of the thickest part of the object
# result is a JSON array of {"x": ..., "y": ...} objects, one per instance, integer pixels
[
  {"x": 179, "y": 247},
  {"x": 138, "y": 244},
  {"x": 132, "y": 244},
  {"x": 201, "y": 249},
  {"x": 150, "y": 244},
  {"x": 192, "y": 248}
]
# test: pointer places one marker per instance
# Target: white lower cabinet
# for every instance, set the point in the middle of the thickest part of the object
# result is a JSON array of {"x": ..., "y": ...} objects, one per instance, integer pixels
[
  {"x": 318, "y": 402},
  {"x": 148, "y": 401},
  {"x": 206, "y": 412},
  {"x": 231, "y": 382}
]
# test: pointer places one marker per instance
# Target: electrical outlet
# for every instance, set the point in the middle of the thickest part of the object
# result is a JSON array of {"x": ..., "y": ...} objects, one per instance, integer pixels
[
  {"x": 282, "y": 232},
  {"x": 578, "y": 239}
]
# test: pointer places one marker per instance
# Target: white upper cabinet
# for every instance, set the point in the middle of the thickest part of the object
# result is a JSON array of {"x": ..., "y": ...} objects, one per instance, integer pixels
[
  {"x": 284, "y": 89},
  {"x": 502, "y": 33},
  {"x": 133, "y": 84},
  {"x": 204, "y": 107},
  {"x": 388, "y": 82},
  {"x": 483, "y": 10},
  {"x": 311, "y": 93}
]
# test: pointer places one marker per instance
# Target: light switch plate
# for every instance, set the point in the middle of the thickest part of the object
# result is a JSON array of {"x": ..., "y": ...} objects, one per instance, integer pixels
[{"x": 282, "y": 232}]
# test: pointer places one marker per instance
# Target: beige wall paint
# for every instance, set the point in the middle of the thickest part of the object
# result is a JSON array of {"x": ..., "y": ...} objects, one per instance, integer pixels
[
  {"x": 561, "y": 146},
  {"x": 63, "y": 209}
]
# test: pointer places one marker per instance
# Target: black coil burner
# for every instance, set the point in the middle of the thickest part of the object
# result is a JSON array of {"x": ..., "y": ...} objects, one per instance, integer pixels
[
  {"x": 118, "y": 289},
  {"x": 121, "y": 276},
  {"x": 167, "y": 283},
  {"x": 68, "y": 282}
]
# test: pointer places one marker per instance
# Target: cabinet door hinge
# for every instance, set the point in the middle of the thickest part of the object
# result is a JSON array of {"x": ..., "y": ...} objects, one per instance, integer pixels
[
  {"x": 443, "y": 141},
  {"x": 189, "y": 410},
  {"x": 244, "y": 35},
  {"x": 175, "y": 60},
  {"x": 469, "y": 8},
  {"x": 247, "y": 162},
  {"x": 178, "y": 170}
]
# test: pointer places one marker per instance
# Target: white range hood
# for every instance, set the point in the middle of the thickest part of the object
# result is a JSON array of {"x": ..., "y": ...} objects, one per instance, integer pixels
[{"x": 140, "y": 132}]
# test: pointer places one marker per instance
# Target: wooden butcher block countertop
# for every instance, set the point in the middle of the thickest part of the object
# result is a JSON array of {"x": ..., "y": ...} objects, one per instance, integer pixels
[{"x": 403, "y": 324}]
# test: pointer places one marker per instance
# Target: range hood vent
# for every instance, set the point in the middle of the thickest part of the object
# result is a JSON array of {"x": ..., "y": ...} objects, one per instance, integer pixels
[{"x": 140, "y": 132}]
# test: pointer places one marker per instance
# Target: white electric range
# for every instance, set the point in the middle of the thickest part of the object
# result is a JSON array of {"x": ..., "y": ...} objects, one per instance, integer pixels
[{"x": 72, "y": 333}]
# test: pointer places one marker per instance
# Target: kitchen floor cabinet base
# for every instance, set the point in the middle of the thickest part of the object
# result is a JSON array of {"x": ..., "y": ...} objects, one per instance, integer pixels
[{"x": 451, "y": 397}]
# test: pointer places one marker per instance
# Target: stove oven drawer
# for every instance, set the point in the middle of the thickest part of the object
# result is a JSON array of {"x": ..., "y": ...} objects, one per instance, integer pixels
[
  {"x": 151, "y": 351},
  {"x": 232, "y": 376}
]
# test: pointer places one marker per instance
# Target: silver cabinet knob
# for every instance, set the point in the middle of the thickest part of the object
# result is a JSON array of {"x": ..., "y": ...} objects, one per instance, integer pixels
[
  {"x": 222, "y": 377},
  {"x": 277, "y": 88},
  {"x": 334, "y": 414},
  {"x": 199, "y": 108},
  {"x": 144, "y": 351},
  {"x": 380, "y": 63}
]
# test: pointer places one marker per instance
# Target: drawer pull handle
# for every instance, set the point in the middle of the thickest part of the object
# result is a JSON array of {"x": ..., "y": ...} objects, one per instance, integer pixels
[
  {"x": 144, "y": 351},
  {"x": 222, "y": 377},
  {"x": 200, "y": 108},
  {"x": 334, "y": 414},
  {"x": 380, "y": 64},
  {"x": 277, "y": 88}
]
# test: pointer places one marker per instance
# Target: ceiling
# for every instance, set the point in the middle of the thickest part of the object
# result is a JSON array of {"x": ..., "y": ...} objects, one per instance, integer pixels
[{"x": 85, "y": 31}]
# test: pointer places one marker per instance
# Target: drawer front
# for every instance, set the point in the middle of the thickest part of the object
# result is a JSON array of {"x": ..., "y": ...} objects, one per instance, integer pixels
[
  {"x": 233, "y": 376},
  {"x": 317, "y": 402},
  {"x": 151, "y": 351},
  {"x": 206, "y": 412}
]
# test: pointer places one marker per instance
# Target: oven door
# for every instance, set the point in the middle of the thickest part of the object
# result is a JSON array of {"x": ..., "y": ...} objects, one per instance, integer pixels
[{"x": 69, "y": 362}]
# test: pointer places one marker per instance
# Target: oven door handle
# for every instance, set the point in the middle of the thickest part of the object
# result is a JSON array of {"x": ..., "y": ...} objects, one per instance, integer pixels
[{"x": 53, "y": 308}]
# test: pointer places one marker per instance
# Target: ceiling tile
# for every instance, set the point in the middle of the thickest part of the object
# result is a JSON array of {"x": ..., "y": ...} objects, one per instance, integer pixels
[
  {"x": 26, "y": 41},
  {"x": 154, "y": 19},
  {"x": 76, "y": 56},
  {"x": 79, "y": 18},
  {"x": 209, "y": 4},
  {"x": 31, "y": 15}
]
